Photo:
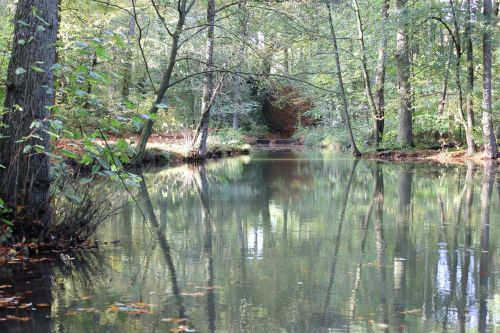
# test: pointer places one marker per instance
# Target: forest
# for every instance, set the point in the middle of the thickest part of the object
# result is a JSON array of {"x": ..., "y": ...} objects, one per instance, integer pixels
[{"x": 262, "y": 105}]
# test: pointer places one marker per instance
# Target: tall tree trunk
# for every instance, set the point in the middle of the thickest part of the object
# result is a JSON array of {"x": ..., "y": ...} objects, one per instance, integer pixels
[
  {"x": 380, "y": 75},
  {"x": 345, "y": 108},
  {"x": 147, "y": 129},
  {"x": 405, "y": 128},
  {"x": 366, "y": 75},
  {"x": 25, "y": 181},
  {"x": 199, "y": 148},
  {"x": 490, "y": 143},
  {"x": 471, "y": 147},
  {"x": 465, "y": 119},
  {"x": 127, "y": 70},
  {"x": 241, "y": 57}
]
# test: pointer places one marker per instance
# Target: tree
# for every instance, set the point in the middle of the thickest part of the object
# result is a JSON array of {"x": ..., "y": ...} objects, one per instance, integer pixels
[
  {"x": 24, "y": 143},
  {"x": 199, "y": 148},
  {"x": 380, "y": 75},
  {"x": 471, "y": 148},
  {"x": 490, "y": 143},
  {"x": 241, "y": 56},
  {"x": 343, "y": 96},
  {"x": 405, "y": 128},
  {"x": 183, "y": 9},
  {"x": 366, "y": 75}
]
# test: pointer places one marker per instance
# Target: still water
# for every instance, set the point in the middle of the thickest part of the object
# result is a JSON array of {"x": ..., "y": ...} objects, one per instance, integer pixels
[{"x": 280, "y": 242}]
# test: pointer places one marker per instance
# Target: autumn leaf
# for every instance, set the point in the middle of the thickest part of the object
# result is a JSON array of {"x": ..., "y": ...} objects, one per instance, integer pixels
[
  {"x": 17, "y": 318},
  {"x": 181, "y": 328},
  {"x": 197, "y": 294},
  {"x": 174, "y": 320}
]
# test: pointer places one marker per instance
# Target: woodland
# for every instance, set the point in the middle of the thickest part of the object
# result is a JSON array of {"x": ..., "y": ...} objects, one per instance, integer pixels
[{"x": 98, "y": 86}]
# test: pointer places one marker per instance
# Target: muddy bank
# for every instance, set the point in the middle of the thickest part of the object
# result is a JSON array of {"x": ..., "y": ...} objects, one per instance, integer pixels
[{"x": 427, "y": 155}]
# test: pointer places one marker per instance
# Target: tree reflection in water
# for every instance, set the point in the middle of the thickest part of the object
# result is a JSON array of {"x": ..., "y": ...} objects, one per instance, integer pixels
[{"x": 275, "y": 242}]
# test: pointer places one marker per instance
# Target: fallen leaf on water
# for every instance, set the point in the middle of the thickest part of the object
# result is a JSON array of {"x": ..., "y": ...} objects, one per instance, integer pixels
[
  {"x": 88, "y": 310},
  {"x": 17, "y": 318},
  {"x": 414, "y": 311},
  {"x": 43, "y": 305},
  {"x": 197, "y": 294},
  {"x": 181, "y": 328},
  {"x": 25, "y": 305},
  {"x": 174, "y": 320},
  {"x": 37, "y": 260},
  {"x": 141, "y": 311}
]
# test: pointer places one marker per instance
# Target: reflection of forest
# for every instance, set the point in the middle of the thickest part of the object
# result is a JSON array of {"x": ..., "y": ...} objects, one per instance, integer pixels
[{"x": 298, "y": 243}]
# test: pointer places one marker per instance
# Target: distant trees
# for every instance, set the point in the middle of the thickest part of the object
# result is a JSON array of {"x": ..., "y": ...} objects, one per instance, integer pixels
[{"x": 24, "y": 142}]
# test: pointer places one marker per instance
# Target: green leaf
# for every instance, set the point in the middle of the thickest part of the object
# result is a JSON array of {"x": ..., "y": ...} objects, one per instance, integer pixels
[
  {"x": 38, "y": 69},
  {"x": 21, "y": 42},
  {"x": 20, "y": 70},
  {"x": 84, "y": 181},
  {"x": 69, "y": 154},
  {"x": 73, "y": 198},
  {"x": 162, "y": 106},
  {"x": 27, "y": 148},
  {"x": 80, "y": 93}
]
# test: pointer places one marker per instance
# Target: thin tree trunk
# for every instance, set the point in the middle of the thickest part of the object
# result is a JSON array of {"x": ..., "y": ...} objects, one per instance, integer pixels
[
  {"x": 199, "y": 148},
  {"x": 147, "y": 129},
  {"x": 345, "y": 108},
  {"x": 127, "y": 70},
  {"x": 380, "y": 75},
  {"x": 466, "y": 119},
  {"x": 444, "y": 93},
  {"x": 241, "y": 60},
  {"x": 490, "y": 143},
  {"x": 25, "y": 181},
  {"x": 405, "y": 128},
  {"x": 471, "y": 147},
  {"x": 366, "y": 75}
]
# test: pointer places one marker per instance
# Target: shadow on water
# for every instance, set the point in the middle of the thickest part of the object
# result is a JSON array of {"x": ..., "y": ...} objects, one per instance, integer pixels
[{"x": 278, "y": 242}]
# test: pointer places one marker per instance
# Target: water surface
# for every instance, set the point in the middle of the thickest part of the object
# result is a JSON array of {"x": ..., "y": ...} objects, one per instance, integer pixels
[{"x": 280, "y": 242}]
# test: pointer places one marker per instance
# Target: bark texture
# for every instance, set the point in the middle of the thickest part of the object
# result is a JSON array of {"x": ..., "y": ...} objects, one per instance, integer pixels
[
  {"x": 380, "y": 75},
  {"x": 471, "y": 147},
  {"x": 405, "y": 128},
  {"x": 25, "y": 181},
  {"x": 199, "y": 148},
  {"x": 490, "y": 143}
]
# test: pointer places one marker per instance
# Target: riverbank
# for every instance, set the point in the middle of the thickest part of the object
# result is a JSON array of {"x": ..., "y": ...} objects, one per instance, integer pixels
[
  {"x": 161, "y": 150},
  {"x": 459, "y": 157}
]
